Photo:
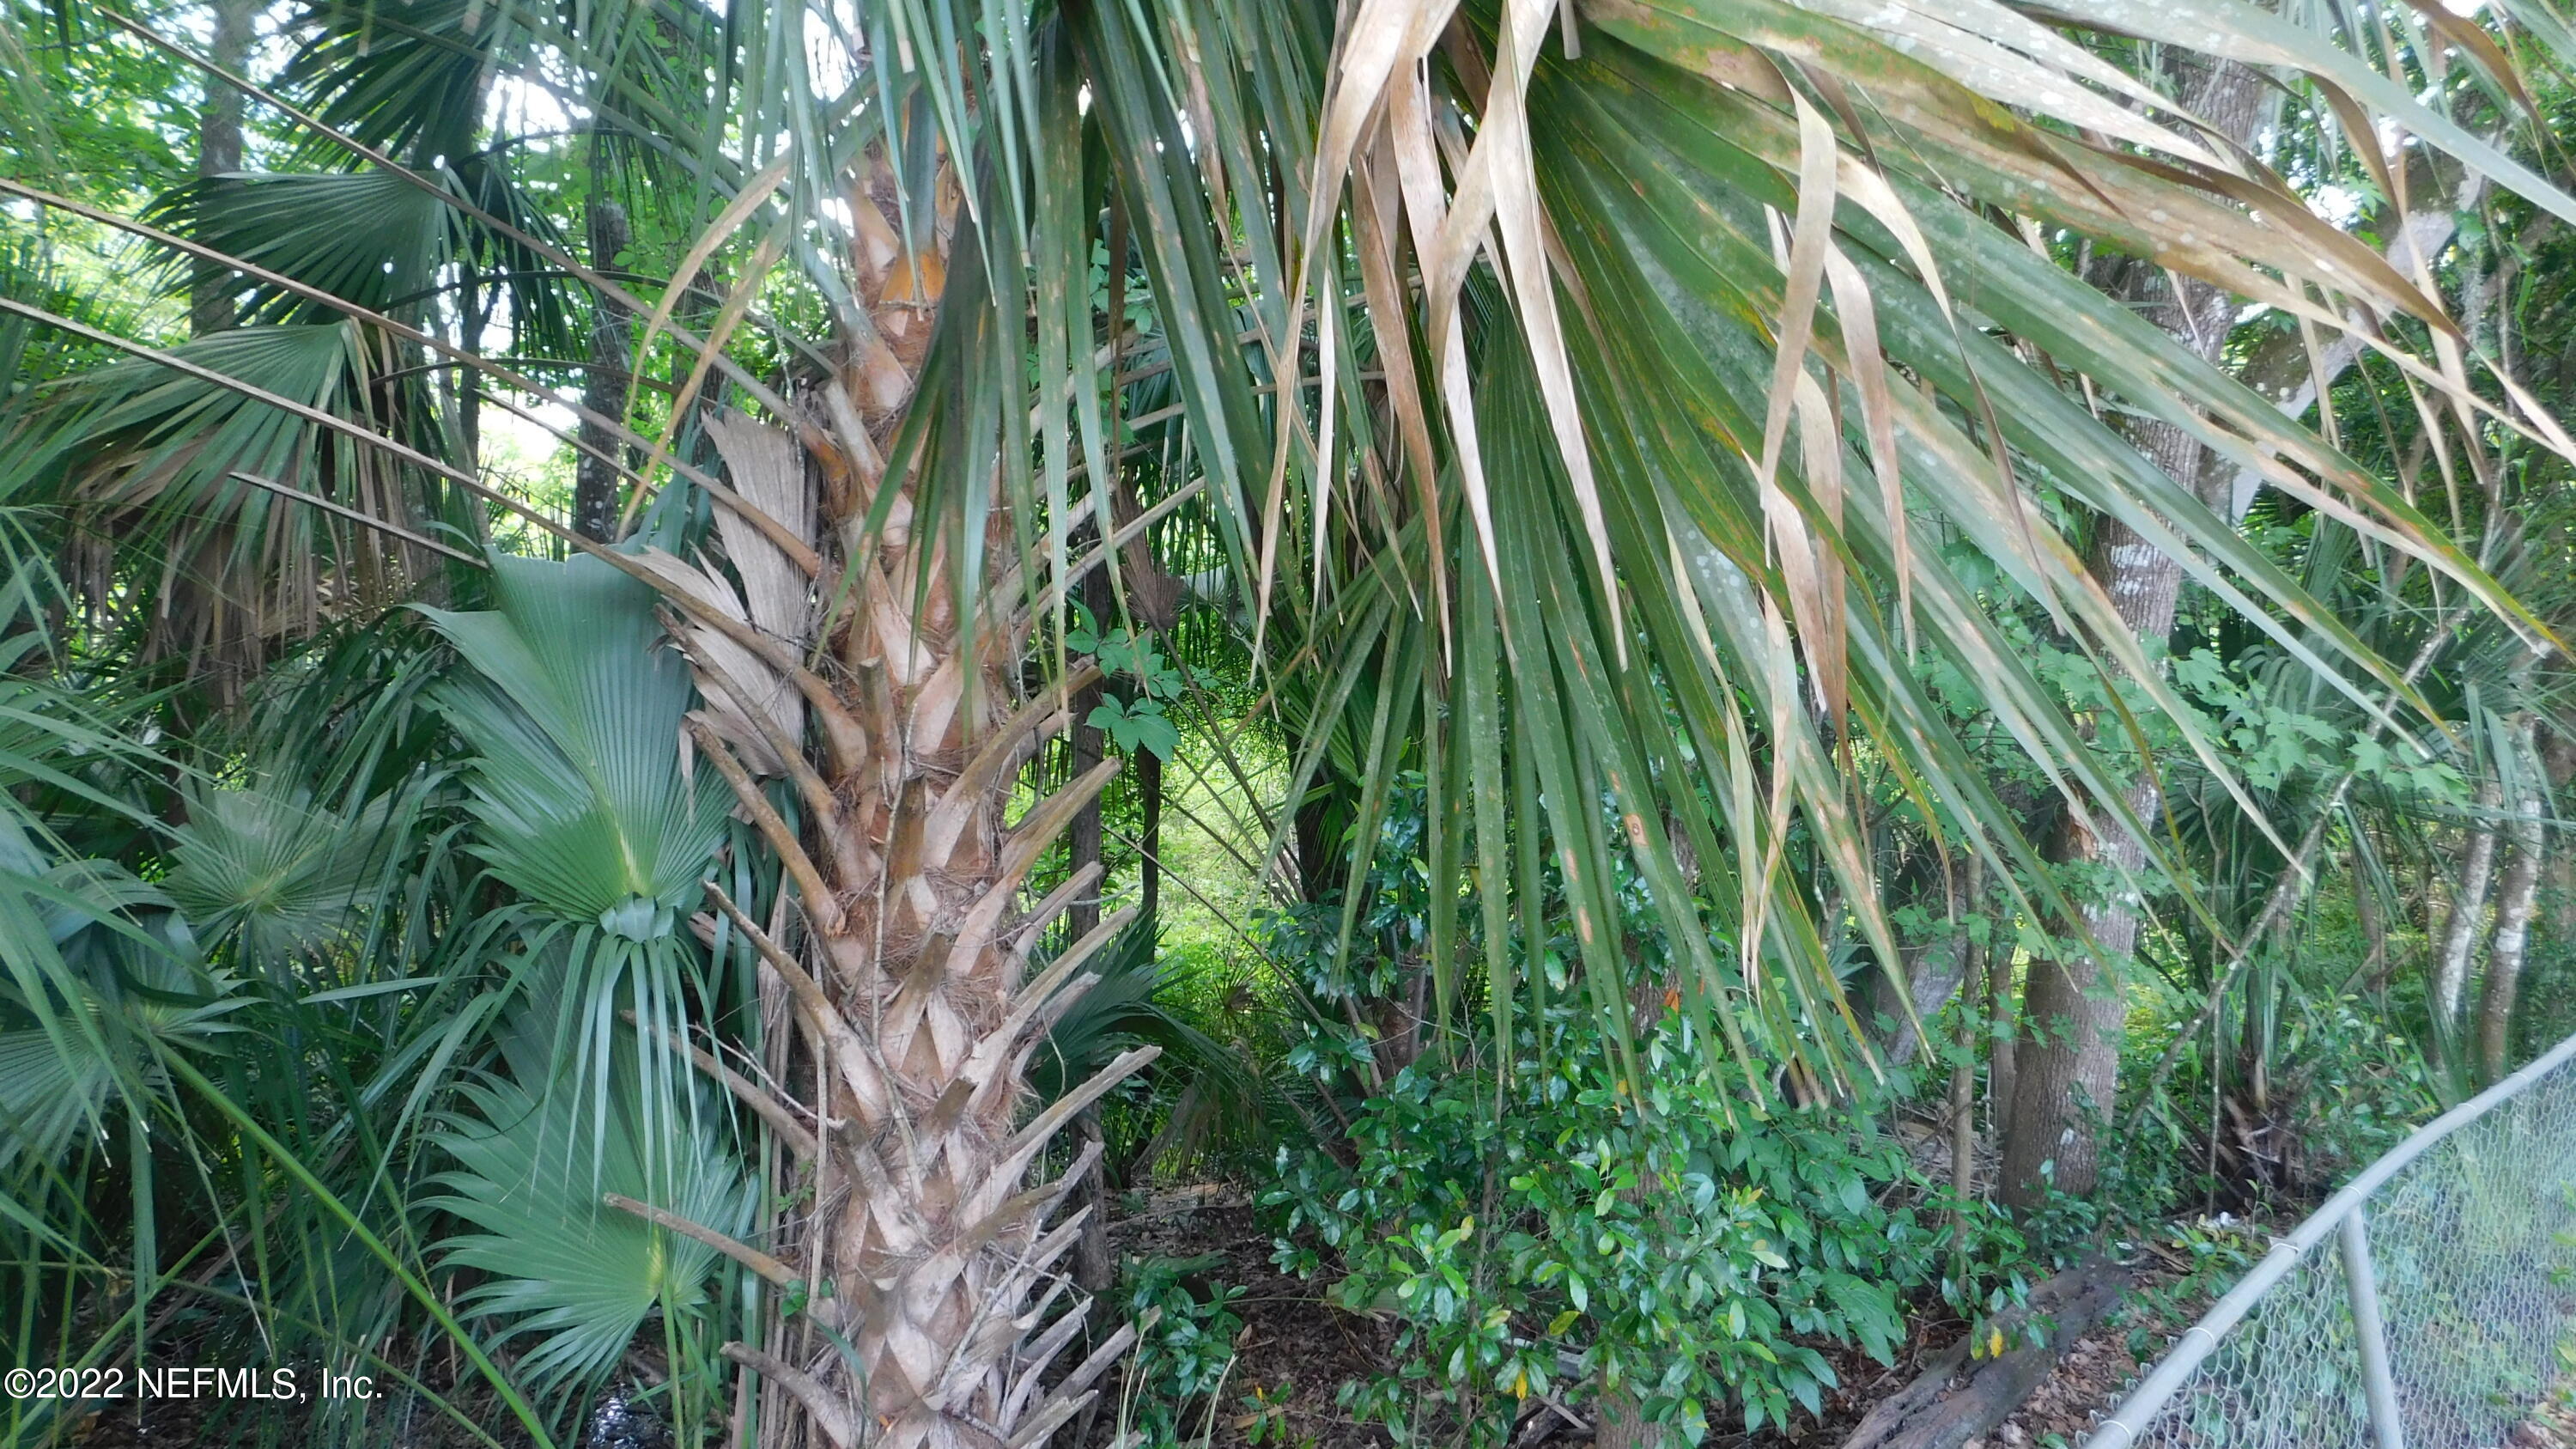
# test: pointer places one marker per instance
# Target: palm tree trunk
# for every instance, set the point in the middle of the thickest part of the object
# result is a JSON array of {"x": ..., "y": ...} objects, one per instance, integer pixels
[
  {"x": 914, "y": 1000},
  {"x": 2066, "y": 1069},
  {"x": 927, "y": 1233},
  {"x": 925, "y": 1230}
]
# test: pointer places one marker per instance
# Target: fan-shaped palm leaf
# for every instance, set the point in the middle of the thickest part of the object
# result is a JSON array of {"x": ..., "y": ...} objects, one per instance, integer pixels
[
  {"x": 280, "y": 875},
  {"x": 374, "y": 239},
  {"x": 98, "y": 980},
  {"x": 144, "y": 460},
  {"x": 574, "y": 717},
  {"x": 367, "y": 236},
  {"x": 534, "y": 1162}
]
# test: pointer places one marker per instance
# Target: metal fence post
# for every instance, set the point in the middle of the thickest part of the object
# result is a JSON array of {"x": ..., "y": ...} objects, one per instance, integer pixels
[{"x": 2376, "y": 1381}]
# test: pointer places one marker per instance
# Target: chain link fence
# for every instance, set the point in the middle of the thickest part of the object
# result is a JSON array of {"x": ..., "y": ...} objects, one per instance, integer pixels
[{"x": 2428, "y": 1305}]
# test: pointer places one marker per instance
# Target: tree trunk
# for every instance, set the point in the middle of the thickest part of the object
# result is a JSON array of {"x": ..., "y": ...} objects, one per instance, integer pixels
[
  {"x": 914, "y": 1003},
  {"x": 2372, "y": 975},
  {"x": 2467, "y": 918},
  {"x": 1933, "y": 974},
  {"x": 603, "y": 393},
  {"x": 1095, "y": 1268},
  {"x": 474, "y": 313},
  {"x": 2066, "y": 1072},
  {"x": 1098, "y": 595},
  {"x": 2514, "y": 905},
  {"x": 1618, "y": 1424},
  {"x": 1088, "y": 749},
  {"x": 1963, "y": 1072},
  {"x": 219, "y": 153},
  {"x": 2066, "y": 1064},
  {"x": 1149, "y": 867},
  {"x": 2558, "y": 892},
  {"x": 1929, "y": 970},
  {"x": 2003, "y": 1044}
]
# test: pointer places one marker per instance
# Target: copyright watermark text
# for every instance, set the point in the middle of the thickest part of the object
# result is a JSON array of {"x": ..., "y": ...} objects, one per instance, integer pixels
[{"x": 190, "y": 1381}]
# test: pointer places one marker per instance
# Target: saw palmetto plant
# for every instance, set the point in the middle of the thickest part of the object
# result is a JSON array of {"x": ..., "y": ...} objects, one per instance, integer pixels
[{"x": 1600, "y": 408}]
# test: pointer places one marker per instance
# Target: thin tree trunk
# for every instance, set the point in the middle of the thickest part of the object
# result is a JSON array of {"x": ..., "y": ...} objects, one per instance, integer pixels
[
  {"x": 1094, "y": 1270},
  {"x": 473, "y": 314},
  {"x": 2003, "y": 1044},
  {"x": 2515, "y": 903},
  {"x": 1149, "y": 794},
  {"x": 1088, "y": 747},
  {"x": 219, "y": 153},
  {"x": 2372, "y": 975},
  {"x": 1094, "y": 1265},
  {"x": 2467, "y": 918},
  {"x": 2558, "y": 892},
  {"x": 2066, "y": 1074},
  {"x": 603, "y": 392},
  {"x": 1963, "y": 1072},
  {"x": 1098, "y": 595},
  {"x": 777, "y": 1418}
]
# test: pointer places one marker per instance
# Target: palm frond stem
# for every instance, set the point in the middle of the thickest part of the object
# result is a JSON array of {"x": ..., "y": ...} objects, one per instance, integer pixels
[
  {"x": 767, "y": 1268},
  {"x": 360, "y": 517}
]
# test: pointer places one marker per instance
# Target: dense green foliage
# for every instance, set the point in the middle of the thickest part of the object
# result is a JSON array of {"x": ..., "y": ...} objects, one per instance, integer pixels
[{"x": 1669, "y": 1246}]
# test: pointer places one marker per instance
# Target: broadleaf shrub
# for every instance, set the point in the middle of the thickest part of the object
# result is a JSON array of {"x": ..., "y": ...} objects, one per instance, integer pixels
[{"x": 1654, "y": 1240}]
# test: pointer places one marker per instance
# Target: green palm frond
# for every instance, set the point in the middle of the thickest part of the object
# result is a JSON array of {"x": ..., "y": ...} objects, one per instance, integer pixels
[
  {"x": 118, "y": 984},
  {"x": 1732, "y": 268},
  {"x": 574, "y": 715},
  {"x": 374, "y": 239},
  {"x": 1768, "y": 537},
  {"x": 168, "y": 435},
  {"x": 367, "y": 236},
  {"x": 280, "y": 876},
  {"x": 535, "y": 1153},
  {"x": 1125, "y": 1008},
  {"x": 1663, "y": 426},
  {"x": 413, "y": 82}
]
